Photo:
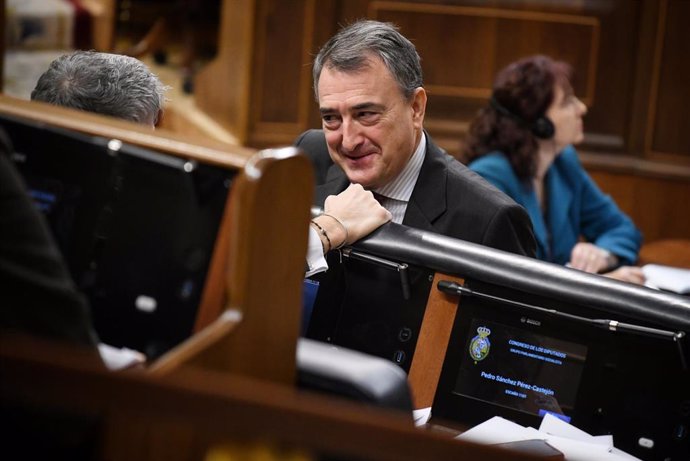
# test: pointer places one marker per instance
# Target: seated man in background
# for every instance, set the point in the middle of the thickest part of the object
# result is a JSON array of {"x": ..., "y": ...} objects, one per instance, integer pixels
[
  {"x": 108, "y": 84},
  {"x": 523, "y": 144},
  {"x": 368, "y": 84}
]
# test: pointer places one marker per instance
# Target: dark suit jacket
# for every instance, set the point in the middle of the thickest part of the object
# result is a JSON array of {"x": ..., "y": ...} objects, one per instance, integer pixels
[
  {"x": 37, "y": 295},
  {"x": 448, "y": 199}
]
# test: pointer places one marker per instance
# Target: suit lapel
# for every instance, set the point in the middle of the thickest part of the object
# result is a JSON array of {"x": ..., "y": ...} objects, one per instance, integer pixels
[{"x": 428, "y": 200}]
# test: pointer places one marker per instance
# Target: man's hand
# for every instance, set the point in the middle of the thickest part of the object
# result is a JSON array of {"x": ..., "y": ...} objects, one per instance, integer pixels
[{"x": 350, "y": 215}]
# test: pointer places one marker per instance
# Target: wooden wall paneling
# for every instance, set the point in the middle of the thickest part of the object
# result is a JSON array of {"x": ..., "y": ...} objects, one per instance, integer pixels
[
  {"x": 280, "y": 83},
  {"x": 325, "y": 18},
  {"x": 661, "y": 208},
  {"x": 641, "y": 76},
  {"x": 607, "y": 121},
  {"x": 668, "y": 252},
  {"x": 222, "y": 88},
  {"x": 669, "y": 123},
  {"x": 258, "y": 86},
  {"x": 351, "y": 10},
  {"x": 103, "y": 18},
  {"x": 655, "y": 203},
  {"x": 443, "y": 35}
]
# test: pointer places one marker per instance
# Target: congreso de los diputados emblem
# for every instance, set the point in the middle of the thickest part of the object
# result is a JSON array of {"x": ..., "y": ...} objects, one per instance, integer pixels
[{"x": 480, "y": 344}]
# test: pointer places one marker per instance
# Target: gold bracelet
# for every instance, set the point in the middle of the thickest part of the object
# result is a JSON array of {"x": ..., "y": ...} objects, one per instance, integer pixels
[
  {"x": 324, "y": 233},
  {"x": 344, "y": 242}
]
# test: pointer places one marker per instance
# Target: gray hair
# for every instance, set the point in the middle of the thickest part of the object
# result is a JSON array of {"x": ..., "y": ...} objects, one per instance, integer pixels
[
  {"x": 108, "y": 84},
  {"x": 349, "y": 50}
]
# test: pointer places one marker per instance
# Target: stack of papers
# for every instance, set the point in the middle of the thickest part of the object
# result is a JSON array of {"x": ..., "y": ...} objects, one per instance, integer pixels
[
  {"x": 667, "y": 278},
  {"x": 575, "y": 444}
]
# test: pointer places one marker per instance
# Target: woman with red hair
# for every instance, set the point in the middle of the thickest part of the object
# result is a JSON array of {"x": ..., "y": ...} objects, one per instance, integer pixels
[{"x": 522, "y": 142}]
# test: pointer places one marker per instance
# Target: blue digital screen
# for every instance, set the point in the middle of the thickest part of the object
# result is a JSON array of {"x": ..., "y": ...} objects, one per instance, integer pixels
[{"x": 520, "y": 369}]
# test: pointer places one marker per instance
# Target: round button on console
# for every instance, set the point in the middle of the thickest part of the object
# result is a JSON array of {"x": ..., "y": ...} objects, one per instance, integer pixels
[{"x": 405, "y": 334}]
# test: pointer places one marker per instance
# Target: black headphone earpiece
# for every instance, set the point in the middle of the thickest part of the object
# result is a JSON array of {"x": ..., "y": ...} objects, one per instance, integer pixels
[{"x": 542, "y": 127}]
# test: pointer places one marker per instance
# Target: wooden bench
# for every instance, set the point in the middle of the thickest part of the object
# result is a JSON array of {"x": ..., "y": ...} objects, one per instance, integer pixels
[{"x": 228, "y": 390}]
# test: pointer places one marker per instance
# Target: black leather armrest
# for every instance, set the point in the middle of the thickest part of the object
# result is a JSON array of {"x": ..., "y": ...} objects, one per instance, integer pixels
[{"x": 472, "y": 261}]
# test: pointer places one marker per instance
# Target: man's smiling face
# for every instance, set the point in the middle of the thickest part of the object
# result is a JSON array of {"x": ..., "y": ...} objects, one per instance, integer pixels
[{"x": 371, "y": 128}]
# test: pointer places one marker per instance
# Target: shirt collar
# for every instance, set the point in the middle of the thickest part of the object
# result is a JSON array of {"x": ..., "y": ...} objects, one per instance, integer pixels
[{"x": 401, "y": 187}]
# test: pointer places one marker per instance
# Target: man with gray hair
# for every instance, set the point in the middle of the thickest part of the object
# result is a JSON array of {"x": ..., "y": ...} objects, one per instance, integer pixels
[
  {"x": 104, "y": 83},
  {"x": 368, "y": 84}
]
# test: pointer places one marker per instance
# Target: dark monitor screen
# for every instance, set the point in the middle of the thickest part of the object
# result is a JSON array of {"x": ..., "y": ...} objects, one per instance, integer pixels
[
  {"x": 365, "y": 305},
  {"x": 155, "y": 249},
  {"x": 517, "y": 363},
  {"x": 520, "y": 369},
  {"x": 68, "y": 175},
  {"x": 137, "y": 228},
  {"x": 507, "y": 359}
]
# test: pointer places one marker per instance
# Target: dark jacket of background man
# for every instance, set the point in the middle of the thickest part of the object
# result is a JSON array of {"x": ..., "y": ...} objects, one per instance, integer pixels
[{"x": 37, "y": 294}]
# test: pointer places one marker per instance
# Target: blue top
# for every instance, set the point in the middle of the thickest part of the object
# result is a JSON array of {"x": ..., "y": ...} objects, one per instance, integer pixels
[{"x": 576, "y": 207}]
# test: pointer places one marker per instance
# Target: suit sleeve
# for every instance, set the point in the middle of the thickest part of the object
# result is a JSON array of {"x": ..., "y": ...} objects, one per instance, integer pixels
[{"x": 510, "y": 229}]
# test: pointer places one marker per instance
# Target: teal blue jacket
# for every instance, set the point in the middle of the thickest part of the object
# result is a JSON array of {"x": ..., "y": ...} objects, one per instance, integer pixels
[{"x": 576, "y": 208}]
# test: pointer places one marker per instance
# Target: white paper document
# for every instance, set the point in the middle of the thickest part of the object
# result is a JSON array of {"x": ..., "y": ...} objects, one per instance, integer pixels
[
  {"x": 575, "y": 444},
  {"x": 667, "y": 278}
]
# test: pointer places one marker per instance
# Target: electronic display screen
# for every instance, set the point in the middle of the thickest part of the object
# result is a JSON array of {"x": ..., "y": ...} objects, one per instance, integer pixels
[
  {"x": 136, "y": 227},
  {"x": 60, "y": 203},
  {"x": 520, "y": 369}
]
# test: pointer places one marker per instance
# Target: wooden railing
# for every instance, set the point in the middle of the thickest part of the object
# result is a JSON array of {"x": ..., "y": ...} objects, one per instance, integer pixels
[{"x": 195, "y": 413}]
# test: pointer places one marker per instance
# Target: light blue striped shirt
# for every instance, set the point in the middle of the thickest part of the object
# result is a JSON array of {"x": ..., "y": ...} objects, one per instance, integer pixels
[{"x": 395, "y": 195}]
